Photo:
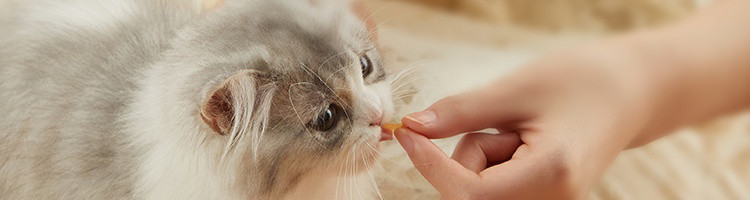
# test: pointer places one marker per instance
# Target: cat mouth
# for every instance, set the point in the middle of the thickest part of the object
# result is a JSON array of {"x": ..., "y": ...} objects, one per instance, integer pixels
[{"x": 385, "y": 134}]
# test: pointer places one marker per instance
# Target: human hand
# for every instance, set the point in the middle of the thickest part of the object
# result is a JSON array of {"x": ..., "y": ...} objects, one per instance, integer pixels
[
  {"x": 562, "y": 119},
  {"x": 565, "y": 117}
]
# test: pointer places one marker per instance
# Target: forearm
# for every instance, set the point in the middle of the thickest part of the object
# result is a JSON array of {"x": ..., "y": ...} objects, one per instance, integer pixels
[{"x": 698, "y": 69}]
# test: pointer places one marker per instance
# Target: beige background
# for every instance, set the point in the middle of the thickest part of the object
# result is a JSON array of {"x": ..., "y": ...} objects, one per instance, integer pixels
[{"x": 456, "y": 44}]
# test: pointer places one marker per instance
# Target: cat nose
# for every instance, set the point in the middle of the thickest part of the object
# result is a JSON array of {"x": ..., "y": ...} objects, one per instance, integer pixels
[{"x": 376, "y": 118}]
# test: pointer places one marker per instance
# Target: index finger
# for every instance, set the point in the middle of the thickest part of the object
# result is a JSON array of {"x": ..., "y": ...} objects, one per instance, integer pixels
[{"x": 488, "y": 107}]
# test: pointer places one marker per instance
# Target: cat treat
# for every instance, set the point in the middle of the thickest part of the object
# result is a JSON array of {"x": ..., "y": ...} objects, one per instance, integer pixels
[{"x": 392, "y": 126}]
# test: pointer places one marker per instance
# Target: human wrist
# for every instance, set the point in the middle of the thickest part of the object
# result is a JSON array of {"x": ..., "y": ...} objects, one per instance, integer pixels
[
  {"x": 614, "y": 78},
  {"x": 661, "y": 82}
]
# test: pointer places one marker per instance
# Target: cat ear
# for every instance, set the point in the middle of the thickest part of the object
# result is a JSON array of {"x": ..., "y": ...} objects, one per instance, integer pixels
[
  {"x": 360, "y": 10},
  {"x": 209, "y": 5},
  {"x": 219, "y": 107}
]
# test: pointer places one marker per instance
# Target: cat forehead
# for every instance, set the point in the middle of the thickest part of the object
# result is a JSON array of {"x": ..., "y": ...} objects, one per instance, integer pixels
[
  {"x": 314, "y": 26},
  {"x": 301, "y": 45},
  {"x": 315, "y": 83},
  {"x": 291, "y": 31},
  {"x": 322, "y": 18}
]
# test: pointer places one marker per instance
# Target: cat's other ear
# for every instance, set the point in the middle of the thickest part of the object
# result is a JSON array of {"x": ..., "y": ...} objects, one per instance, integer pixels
[
  {"x": 208, "y": 5},
  {"x": 360, "y": 10},
  {"x": 220, "y": 105}
]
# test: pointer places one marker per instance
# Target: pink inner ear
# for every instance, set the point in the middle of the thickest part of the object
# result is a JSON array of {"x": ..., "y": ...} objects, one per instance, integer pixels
[
  {"x": 217, "y": 111},
  {"x": 359, "y": 8},
  {"x": 209, "y": 5}
]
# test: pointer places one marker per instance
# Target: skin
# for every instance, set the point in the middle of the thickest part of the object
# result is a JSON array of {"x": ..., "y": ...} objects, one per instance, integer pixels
[{"x": 565, "y": 117}]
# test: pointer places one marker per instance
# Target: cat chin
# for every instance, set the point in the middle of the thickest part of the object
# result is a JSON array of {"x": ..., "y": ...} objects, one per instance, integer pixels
[{"x": 357, "y": 159}]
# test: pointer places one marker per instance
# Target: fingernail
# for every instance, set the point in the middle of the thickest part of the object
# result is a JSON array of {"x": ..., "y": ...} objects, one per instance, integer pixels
[
  {"x": 424, "y": 117},
  {"x": 404, "y": 139}
]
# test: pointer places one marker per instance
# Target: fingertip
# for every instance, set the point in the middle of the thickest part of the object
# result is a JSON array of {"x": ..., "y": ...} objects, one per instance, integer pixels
[
  {"x": 424, "y": 117},
  {"x": 420, "y": 119},
  {"x": 408, "y": 122}
]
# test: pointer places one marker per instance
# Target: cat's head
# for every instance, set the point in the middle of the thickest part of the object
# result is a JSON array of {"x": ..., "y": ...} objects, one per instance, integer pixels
[{"x": 290, "y": 87}]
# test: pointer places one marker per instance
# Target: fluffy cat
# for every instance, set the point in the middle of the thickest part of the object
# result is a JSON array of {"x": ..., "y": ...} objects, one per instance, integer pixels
[{"x": 161, "y": 99}]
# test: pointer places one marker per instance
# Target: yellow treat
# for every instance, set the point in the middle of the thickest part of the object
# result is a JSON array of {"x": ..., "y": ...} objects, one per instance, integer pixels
[{"x": 392, "y": 126}]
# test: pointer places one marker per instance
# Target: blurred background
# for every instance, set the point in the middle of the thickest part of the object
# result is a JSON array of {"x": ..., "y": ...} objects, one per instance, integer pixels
[{"x": 446, "y": 46}]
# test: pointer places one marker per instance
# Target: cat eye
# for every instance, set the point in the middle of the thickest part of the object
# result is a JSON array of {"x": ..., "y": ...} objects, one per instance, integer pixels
[
  {"x": 366, "y": 64},
  {"x": 328, "y": 119}
]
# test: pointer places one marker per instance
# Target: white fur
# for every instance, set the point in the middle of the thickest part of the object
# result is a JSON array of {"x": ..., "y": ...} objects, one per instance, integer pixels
[
  {"x": 182, "y": 159},
  {"x": 179, "y": 166},
  {"x": 87, "y": 15},
  {"x": 173, "y": 146}
]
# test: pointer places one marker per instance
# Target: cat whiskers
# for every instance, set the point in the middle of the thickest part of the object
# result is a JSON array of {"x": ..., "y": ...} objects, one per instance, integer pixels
[
  {"x": 411, "y": 68},
  {"x": 334, "y": 73},
  {"x": 338, "y": 178},
  {"x": 296, "y": 113},
  {"x": 349, "y": 171},
  {"x": 329, "y": 58},
  {"x": 399, "y": 85},
  {"x": 377, "y": 26},
  {"x": 356, "y": 170},
  {"x": 374, "y": 151},
  {"x": 380, "y": 155},
  {"x": 372, "y": 14},
  {"x": 369, "y": 172},
  {"x": 336, "y": 95},
  {"x": 403, "y": 73}
]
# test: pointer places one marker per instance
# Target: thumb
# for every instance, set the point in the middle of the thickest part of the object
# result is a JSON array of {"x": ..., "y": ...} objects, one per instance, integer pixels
[
  {"x": 443, "y": 173},
  {"x": 488, "y": 107}
]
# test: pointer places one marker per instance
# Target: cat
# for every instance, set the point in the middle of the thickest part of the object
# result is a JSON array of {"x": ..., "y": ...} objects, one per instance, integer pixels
[{"x": 162, "y": 99}]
